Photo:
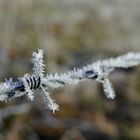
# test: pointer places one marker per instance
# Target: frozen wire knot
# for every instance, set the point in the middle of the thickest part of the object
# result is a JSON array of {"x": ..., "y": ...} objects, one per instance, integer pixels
[
  {"x": 30, "y": 84},
  {"x": 33, "y": 82},
  {"x": 97, "y": 71}
]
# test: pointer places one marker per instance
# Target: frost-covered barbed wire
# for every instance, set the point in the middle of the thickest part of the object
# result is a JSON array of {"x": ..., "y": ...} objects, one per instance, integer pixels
[{"x": 38, "y": 80}]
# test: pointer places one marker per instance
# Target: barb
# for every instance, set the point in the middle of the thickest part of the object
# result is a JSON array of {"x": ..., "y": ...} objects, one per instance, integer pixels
[{"x": 98, "y": 71}]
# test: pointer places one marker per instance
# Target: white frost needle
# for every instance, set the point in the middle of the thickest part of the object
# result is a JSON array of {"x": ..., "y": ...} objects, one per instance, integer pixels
[{"x": 98, "y": 71}]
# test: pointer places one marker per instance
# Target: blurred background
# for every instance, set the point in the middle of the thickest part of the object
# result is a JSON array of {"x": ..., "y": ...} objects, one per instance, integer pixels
[{"x": 72, "y": 33}]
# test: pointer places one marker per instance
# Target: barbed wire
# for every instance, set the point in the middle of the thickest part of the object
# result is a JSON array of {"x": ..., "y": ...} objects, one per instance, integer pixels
[{"x": 38, "y": 80}]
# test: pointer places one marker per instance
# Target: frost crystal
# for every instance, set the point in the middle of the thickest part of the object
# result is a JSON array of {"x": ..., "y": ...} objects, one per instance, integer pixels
[
  {"x": 27, "y": 87},
  {"x": 38, "y": 63},
  {"x": 98, "y": 71}
]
